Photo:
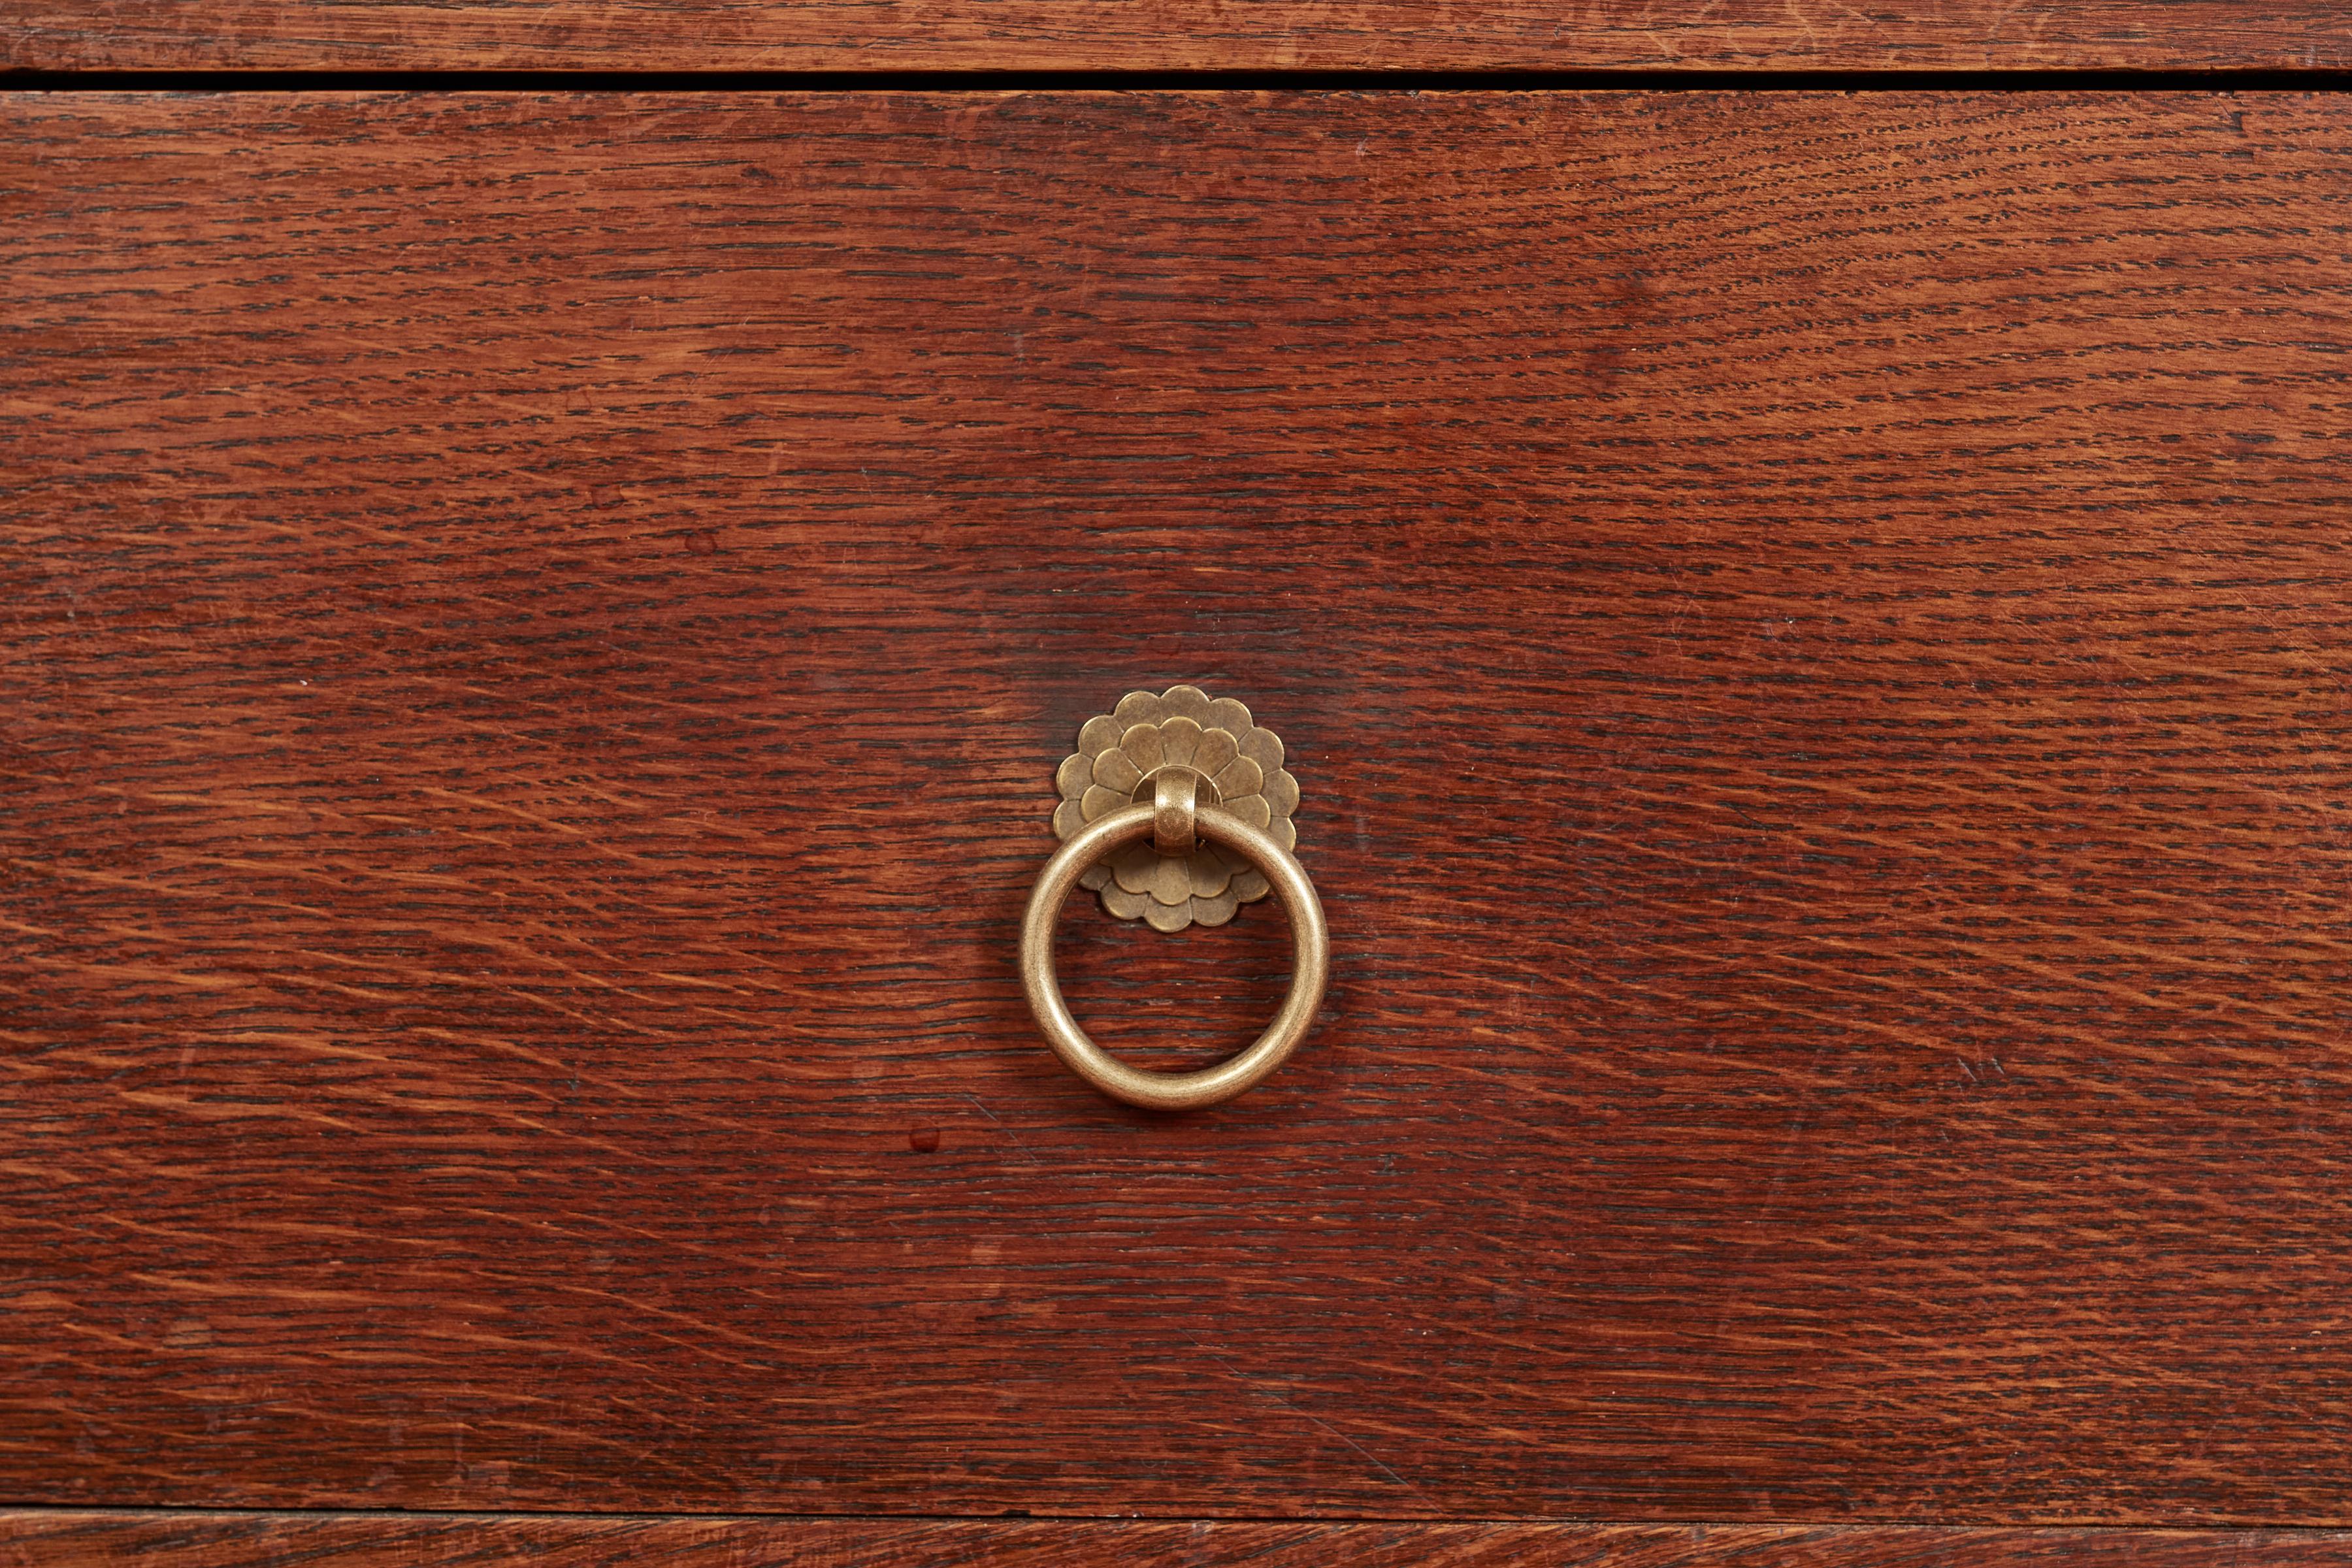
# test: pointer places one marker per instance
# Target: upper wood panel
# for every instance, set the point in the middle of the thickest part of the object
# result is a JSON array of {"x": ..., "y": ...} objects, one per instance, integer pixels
[
  {"x": 1814, "y": 635},
  {"x": 72, "y": 1538},
  {"x": 855, "y": 34}
]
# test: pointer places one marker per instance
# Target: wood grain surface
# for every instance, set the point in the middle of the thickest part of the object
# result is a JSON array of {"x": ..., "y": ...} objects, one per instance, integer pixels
[
  {"x": 70, "y": 1538},
  {"x": 1277, "y": 35},
  {"x": 1813, "y": 629}
]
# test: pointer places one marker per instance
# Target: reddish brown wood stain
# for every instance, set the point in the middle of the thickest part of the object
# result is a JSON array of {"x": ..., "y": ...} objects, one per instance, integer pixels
[
  {"x": 1813, "y": 633},
  {"x": 66, "y": 1539},
  {"x": 1271, "y": 34}
]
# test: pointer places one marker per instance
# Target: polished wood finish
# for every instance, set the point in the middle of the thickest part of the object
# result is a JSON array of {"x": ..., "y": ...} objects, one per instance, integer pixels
[
  {"x": 868, "y": 35},
  {"x": 1813, "y": 631},
  {"x": 66, "y": 1539}
]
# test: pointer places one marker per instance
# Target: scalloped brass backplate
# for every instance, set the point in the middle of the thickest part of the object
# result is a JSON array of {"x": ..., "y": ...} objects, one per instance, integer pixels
[{"x": 1236, "y": 764}]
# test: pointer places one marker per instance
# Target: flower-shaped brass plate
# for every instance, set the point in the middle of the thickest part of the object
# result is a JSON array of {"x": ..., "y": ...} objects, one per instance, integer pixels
[{"x": 1239, "y": 768}]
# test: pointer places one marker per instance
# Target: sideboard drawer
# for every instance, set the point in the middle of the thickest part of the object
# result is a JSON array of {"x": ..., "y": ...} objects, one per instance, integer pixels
[{"x": 1812, "y": 631}]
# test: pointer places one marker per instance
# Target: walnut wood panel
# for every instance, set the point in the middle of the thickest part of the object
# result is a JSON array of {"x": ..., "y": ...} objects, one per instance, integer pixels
[
  {"x": 1413, "y": 34},
  {"x": 1813, "y": 630},
  {"x": 66, "y": 1539}
]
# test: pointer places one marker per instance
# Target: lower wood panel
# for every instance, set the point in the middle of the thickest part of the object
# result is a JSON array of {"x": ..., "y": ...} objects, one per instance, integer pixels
[
  {"x": 1273, "y": 34},
  {"x": 71, "y": 1539}
]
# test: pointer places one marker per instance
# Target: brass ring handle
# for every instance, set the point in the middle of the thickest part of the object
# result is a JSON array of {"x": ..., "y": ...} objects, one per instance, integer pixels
[{"x": 1310, "y": 970}]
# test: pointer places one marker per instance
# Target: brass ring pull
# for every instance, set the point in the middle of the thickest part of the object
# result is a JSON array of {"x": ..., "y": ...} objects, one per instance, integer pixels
[{"x": 1164, "y": 821}]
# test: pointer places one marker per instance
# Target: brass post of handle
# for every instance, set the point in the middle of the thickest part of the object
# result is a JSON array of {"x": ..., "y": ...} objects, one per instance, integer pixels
[{"x": 1176, "y": 809}]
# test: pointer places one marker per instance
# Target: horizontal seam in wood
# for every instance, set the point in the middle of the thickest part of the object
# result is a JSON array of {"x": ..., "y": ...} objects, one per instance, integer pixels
[
  {"x": 1599, "y": 79},
  {"x": 2104, "y": 1527}
]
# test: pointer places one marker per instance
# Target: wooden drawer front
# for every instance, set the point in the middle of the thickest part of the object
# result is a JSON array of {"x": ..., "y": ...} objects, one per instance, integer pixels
[{"x": 1813, "y": 629}]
